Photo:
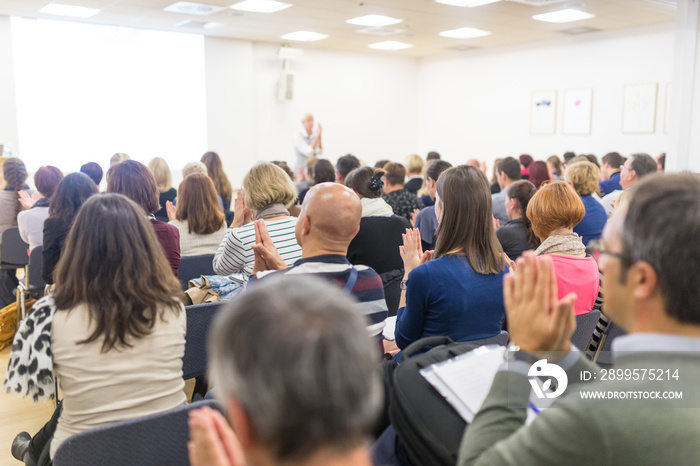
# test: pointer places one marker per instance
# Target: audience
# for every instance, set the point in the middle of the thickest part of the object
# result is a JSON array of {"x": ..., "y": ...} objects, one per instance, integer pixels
[
  {"x": 31, "y": 221},
  {"x": 161, "y": 172},
  {"x": 649, "y": 296},
  {"x": 381, "y": 163},
  {"x": 113, "y": 331},
  {"x": 593, "y": 159},
  {"x": 509, "y": 172},
  {"x": 610, "y": 173},
  {"x": 215, "y": 170},
  {"x": 135, "y": 181},
  {"x": 296, "y": 377},
  {"x": 345, "y": 165},
  {"x": 554, "y": 211},
  {"x": 283, "y": 165},
  {"x": 329, "y": 220},
  {"x": 72, "y": 192},
  {"x": 567, "y": 158},
  {"x": 459, "y": 292},
  {"x": 525, "y": 162},
  {"x": 556, "y": 170},
  {"x": 414, "y": 171},
  {"x": 198, "y": 216},
  {"x": 516, "y": 235},
  {"x": 266, "y": 195},
  {"x": 304, "y": 178},
  {"x": 94, "y": 171},
  {"x": 322, "y": 171},
  {"x": 197, "y": 167},
  {"x": 584, "y": 178},
  {"x": 539, "y": 173},
  {"x": 426, "y": 221},
  {"x": 636, "y": 166},
  {"x": 400, "y": 199}
]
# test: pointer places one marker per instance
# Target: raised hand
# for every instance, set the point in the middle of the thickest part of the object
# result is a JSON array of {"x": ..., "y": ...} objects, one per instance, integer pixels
[
  {"x": 537, "y": 319},
  {"x": 212, "y": 441},
  {"x": 266, "y": 255},
  {"x": 413, "y": 217},
  {"x": 242, "y": 215},
  {"x": 411, "y": 252},
  {"x": 28, "y": 201},
  {"x": 170, "y": 209}
]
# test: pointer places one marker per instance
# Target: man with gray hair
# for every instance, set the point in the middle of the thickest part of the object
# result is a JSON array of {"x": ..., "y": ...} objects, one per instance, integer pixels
[
  {"x": 293, "y": 369},
  {"x": 637, "y": 166}
]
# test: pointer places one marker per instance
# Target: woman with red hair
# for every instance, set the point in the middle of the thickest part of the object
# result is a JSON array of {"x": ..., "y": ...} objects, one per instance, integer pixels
[{"x": 539, "y": 173}]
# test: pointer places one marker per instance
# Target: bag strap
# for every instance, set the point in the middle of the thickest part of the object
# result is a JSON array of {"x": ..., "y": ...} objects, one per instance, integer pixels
[
  {"x": 423, "y": 343},
  {"x": 350, "y": 284}
]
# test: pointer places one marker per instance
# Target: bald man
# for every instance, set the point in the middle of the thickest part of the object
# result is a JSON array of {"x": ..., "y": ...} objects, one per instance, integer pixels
[{"x": 328, "y": 221}]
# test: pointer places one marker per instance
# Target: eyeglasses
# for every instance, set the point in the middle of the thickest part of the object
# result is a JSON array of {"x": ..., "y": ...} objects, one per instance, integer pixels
[{"x": 595, "y": 249}]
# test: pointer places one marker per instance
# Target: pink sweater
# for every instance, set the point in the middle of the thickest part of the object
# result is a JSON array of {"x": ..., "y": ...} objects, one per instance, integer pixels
[{"x": 578, "y": 275}]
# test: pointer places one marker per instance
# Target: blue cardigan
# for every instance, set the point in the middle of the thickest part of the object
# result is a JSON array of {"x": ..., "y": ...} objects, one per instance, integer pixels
[
  {"x": 591, "y": 227},
  {"x": 446, "y": 297}
]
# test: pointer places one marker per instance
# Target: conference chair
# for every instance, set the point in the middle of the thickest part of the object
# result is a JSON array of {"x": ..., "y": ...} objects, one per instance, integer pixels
[
  {"x": 585, "y": 325},
  {"x": 32, "y": 283},
  {"x": 193, "y": 267},
  {"x": 158, "y": 439},
  {"x": 603, "y": 355},
  {"x": 194, "y": 362},
  {"x": 13, "y": 250}
]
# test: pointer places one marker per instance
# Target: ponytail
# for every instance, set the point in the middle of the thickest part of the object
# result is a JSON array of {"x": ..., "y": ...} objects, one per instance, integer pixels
[{"x": 522, "y": 192}]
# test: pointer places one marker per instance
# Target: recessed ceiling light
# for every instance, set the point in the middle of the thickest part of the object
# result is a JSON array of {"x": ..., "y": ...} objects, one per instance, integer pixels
[
  {"x": 305, "y": 36},
  {"x": 191, "y": 8},
  {"x": 390, "y": 45},
  {"x": 465, "y": 33},
  {"x": 374, "y": 21},
  {"x": 261, "y": 6},
  {"x": 563, "y": 16},
  {"x": 60, "y": 9},
  {"x": 467, "y": 3}
]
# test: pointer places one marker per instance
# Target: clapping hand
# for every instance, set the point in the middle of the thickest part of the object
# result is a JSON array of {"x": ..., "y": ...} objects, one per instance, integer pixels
[
  {"x": 242, "y": 215},
  {"x": 212, "y": 441},
  {"x": 170, "y": 209},
  {"x": 266, "y": 255},
  {"x": 537, "y": 319},
  {"x": 413, "y": 217},
  {"x": 411, "y": 252},
  {"x": 28, "y": 201}
]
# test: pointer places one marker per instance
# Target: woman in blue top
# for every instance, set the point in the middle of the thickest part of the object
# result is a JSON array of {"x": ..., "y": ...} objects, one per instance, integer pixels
[{"x": 459, "y": 293}]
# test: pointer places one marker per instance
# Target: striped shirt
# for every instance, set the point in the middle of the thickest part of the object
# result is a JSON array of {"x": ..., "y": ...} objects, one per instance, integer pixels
[
  {"x": 368, "y": 289},
  {"x": 235, "y": 254}
]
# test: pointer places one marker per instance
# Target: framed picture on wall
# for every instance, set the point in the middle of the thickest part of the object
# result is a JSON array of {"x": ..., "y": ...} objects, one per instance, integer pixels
[
  {"x": 578, "y": 105},
  {"x": 639, "y": 108},
  {"x": 667, "y": 109},
  {"x": 543, "y": 112}
]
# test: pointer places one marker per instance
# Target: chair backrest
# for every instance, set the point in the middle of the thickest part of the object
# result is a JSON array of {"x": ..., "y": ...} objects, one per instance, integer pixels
[
  {"x": 501, "y": 339},
  {"x": 194, "y": 266},
  {"x": 34, "y": 279},
  {"x": 604, "y": 354},
  {"x": 13, "y": 250},
  {"x": 585, "y": 325},
  {"x": 377, "y": 243},
  {"x": 158, "y": 439},
  {"x": 199, "y": 319}
]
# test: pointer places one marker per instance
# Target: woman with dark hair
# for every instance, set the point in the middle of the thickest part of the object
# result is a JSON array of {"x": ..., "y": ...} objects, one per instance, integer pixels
[
  {"x": 367, "y": 183},
  {"x": 426, "y": 220},
  {"x": 70, "y": 195},
  {"x": 516, "y": 236},
  {"x": 525, "y": 162},
  {"x": 31, "y": 220},
  {"x": 539, "y": 173},
  {"x": 321, "y": 172},
  {"x": 15, "y": 174},
  {"x": 198, "y": 216},
  {"x": 459, "y": 293},
  {"x": 134, "y": 180},
  {"x": 113, "y": 332},
  {"x": 215, "y": 169}
]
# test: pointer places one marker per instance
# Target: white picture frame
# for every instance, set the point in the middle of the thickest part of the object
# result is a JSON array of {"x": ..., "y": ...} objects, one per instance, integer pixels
[
  {"x": 639, "y": 108},
  {"x": 543, "y": 112},
  {"x": 578, "y": 106}
]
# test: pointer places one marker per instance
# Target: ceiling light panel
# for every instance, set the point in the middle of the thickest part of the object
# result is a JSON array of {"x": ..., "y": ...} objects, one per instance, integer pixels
[
  {"x": 563, "y": 16},
  {"x": 305, "y": 36},
  {"x": 466, "y": 3},
  {"x": 261, "y": 6},
  {"x": 465, "y": 33},
  {"x": 374, "y": 21},
  {"x": 60, "y": 9},
  {"x": 192, "y": 8},
  {"x": 390, "y": 45}
]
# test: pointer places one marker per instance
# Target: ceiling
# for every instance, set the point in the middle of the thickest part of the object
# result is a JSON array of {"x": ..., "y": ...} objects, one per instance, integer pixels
[{"x": 509, "y": 22}]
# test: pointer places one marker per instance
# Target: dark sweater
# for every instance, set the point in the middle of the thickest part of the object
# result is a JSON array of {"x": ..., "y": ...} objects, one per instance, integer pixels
[
  {"x": 55, "y": 232},
  {"x": 403, "y": 202},
  {"x": 513, "y": 238},
  {"x": 169, "y": 238},
  {"x": 168, "y": 195},
  {"x": 377, "y": 243}
]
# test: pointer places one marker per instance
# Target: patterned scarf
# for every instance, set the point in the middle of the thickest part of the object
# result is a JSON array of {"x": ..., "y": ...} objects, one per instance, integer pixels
[
  {"x": 569, "y": 243},
  {"x": 271, "y": 211}
]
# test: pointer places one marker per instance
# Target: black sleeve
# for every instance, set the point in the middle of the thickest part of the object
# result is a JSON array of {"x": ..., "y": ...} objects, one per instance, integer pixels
[{"x": 54, "y": 237}]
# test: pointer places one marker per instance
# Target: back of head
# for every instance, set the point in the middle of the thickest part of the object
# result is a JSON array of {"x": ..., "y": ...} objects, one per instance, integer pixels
[
  {"x": 578, "y": 159},
  {"x": 568, "y": 156},
  {"x": 216, "y": 172},
  {"x": 436, "y": 168},
  {"x": 414, "y": 164},
  {"x": 294, "y": 353},
  {"x": 15, "y": 174},
  {"x": 613, "y": 159},
  {"x": 71, "y": 193},
  {"x": 198, "y": 205},
  {"x": 643, "y": 165},
  {"x": 395, "y": 174},
  {"x": 94, "y": 171},
  {"x": 522, "y": 191},
  {"x": 555, "y": 205},
  {"x": 46, "y": 180},
  {"x": 381, "y": 163},
  {"x": 113, "y": 263},
  {"x": 593, "y": 159},
  {"x": 432, "y": 155},
  {"x": 323, "y": 172},
  {"x": 267, "y": 184},
  {"x": 135, "y": 181},
  {"x": 284, "y": 166},
  {"x": 584, "y": 176},
  {"x": 333, "y": 212},
  {"x": 539, "y": 173},
  {"x": 556, "y": 164},
  {"x": 194, "y": 167},
  {"x": 161, "y": 173},
  {"x": 118, "y": 157},
  {"x": 510, "y": 167},
  {"x": 661, "y": 228},
  {"x": 465, "y": 197},
  {"x": 526, "y": 160},
  {"x": 366, "y": 181},
  {"x": 310, "y": 162},
  {"x": 346, "y": 164}
]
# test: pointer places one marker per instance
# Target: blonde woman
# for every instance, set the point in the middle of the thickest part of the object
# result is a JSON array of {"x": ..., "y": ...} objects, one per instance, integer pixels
[
  {"x": 267, "y": 194},
  {"x": 583, "y": 176},
  {"x": 414, "y": 172},
  {"x": 161, "y": 172}
]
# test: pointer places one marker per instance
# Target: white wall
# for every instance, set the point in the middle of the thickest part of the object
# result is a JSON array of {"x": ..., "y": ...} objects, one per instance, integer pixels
[
  {"x": 8, "y": 108},
  {"x": 476, "y": 104}
]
